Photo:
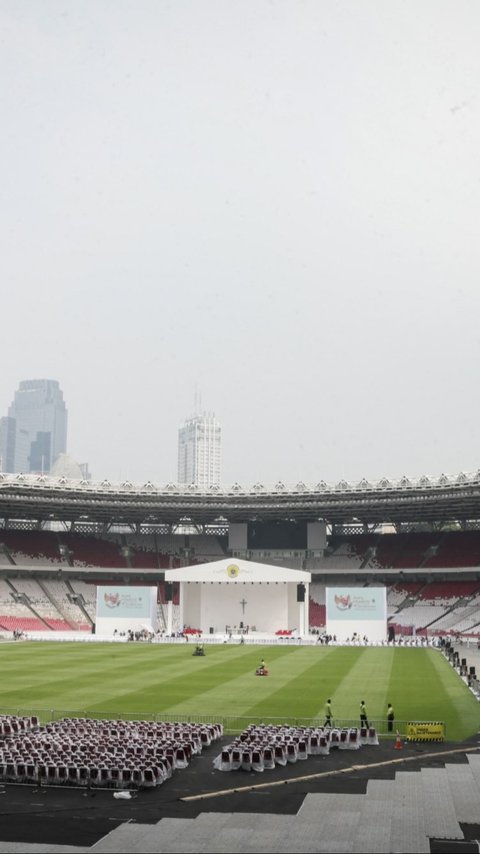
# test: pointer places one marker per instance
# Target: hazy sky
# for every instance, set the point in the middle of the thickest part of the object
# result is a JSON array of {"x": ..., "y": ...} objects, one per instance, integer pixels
[{"x": 276, "y": 201}]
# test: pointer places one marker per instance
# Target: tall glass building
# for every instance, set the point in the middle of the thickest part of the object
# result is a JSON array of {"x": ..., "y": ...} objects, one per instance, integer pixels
[
  {"x": 35, "y": 431},
  {"x": 200, "y": 451}
]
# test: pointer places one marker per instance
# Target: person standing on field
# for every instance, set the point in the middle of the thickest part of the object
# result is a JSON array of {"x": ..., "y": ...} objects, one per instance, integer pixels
[
  {"x": 363, "y": 715},
  {"x": 390, "y": 717},
  {"x": 328, "y": 713}
]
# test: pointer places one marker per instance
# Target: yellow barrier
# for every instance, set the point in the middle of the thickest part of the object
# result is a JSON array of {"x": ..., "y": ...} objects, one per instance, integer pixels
[{"x": 425, "y": 731}]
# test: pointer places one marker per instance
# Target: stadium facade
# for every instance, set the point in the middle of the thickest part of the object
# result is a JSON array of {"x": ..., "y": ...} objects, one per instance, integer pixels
[{"x": 63, "y": 537}]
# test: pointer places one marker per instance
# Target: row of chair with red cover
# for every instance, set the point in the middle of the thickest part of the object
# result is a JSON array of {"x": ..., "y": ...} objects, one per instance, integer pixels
[
  {"x": 262, "y": 747},
  {"x": 89, "y": 752},
  {"x": 13, "y": 724}
]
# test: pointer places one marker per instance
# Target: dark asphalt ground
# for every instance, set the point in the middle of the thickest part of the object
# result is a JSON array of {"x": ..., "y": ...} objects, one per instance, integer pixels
[{"x": 72, "y": 816}]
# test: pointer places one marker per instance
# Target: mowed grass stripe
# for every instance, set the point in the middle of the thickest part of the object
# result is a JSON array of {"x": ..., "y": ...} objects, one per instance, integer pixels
[
  {"x": 302, "y": 690},
  {"x": 459, "y": 706},
  {"x": 133, "y": 677},
  {"x": 244, "y": 693},
  {"x": 81, "y": 676},
  {"x": 367, "y": 679},
  {"x": 424, "y": 687},
  {"x": 216, "y": 683}
]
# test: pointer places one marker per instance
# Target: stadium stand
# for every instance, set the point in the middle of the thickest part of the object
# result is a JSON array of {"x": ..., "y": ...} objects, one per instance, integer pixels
[
  {"x": 31, "y": 547},
  {"x": 456, "y": 549},
  {"x": 94, "y": 551},
  {"x": 439, "y": 596}
]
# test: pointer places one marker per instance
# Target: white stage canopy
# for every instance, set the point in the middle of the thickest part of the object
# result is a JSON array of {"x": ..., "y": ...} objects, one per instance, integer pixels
[{"x": 234, "y": 594}]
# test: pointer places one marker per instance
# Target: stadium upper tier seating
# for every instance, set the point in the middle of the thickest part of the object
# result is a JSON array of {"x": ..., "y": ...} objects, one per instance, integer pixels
[
  {"x": 116, "y": 551},
  {"x": 154, "y": 551}
]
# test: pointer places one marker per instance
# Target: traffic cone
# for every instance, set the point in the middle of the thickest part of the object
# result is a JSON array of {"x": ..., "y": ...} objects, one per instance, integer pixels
[{"x": 398, "y": 742}]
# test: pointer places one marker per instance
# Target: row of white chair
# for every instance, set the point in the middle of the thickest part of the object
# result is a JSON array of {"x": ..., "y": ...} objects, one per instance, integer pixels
[
  {"x": 92, "y": 775},
  {"x": 260, "y": 748},
  {"x": 13, "y": 724},
  {"x": 88, "y": 752}
]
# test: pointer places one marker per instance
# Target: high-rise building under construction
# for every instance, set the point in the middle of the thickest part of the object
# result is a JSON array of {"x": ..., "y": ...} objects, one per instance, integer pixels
[{"x": 199, "y": 451}]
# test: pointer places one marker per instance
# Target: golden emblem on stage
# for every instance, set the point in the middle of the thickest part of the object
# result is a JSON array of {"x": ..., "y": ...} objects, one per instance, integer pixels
[{"x": 232, "y": 570}]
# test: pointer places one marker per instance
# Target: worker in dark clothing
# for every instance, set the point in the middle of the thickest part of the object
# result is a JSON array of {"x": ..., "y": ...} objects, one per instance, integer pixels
[
  {"x": 363, "y": 715},
  {"x": 328, "y": 713},
  {"x": 390, "y": 717}
]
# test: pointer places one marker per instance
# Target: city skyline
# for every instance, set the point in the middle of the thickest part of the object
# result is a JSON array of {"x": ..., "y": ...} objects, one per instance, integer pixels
[
  {"x": 276, "y": 202},
  {"x": 34, "y": 432},
  {"x": 199, "y": 446}
]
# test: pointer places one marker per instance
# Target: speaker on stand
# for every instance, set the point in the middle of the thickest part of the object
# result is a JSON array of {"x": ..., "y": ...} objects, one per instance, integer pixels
[{"x": 300, "y": 593}]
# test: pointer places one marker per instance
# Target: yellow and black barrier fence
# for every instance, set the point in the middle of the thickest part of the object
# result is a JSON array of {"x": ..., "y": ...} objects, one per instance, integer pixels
[{"x": 425, "y": 731}]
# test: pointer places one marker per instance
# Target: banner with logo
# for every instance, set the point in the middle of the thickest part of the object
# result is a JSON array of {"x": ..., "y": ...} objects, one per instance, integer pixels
[
  {"x": 357, "y": 612},
  {"x": 124, "y": 601},
  {"x": 124, "y": 608}
]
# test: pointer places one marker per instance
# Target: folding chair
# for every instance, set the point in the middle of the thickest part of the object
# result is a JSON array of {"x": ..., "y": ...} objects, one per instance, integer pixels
[
  {"x": 246, "y": 764},
  {"x": 126, "y": 775},
  {"x": 236, "y": 759},
  {"x": 159, "y": 774},
  {"x": 31, "y": 772},
  {"x": 323, "y": 745},
  {"x": 94, "y": 775},
  {"x": 353, "y": 741},
  {"x": 280, "y": 754},
  {"x": 20, "y": 772},
  {"x": 181, "y": 760},
  {"x": 257, "y": 760},
  {"x": 225, "y": 761},
  {"x": 105, "y": 778},
  {"x": 72, "y": 774},
  {"x": 334, "y": 738},
  {"x": 51, "y": 774},
  {"x": 268, "y": 758},
  {"x": 292, "y": 752},
  {"x": 149, "y": 780},
  {"x": 137, "y": 777},
  {"x": 302, "y": 750},
  {"x": 115, "y": 776},
  {"x": 83, "y": 775}
]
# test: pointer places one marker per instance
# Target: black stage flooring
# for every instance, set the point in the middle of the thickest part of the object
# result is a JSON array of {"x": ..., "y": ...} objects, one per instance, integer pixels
[{"x": 74, "y": 816}]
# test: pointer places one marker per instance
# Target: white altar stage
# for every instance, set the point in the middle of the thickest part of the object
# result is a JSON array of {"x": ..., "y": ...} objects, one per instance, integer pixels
[{"x": 231, "y": 595}]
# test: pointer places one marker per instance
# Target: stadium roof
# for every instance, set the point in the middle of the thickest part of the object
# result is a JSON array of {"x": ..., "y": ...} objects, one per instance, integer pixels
[{"x": 431, "y": 499}]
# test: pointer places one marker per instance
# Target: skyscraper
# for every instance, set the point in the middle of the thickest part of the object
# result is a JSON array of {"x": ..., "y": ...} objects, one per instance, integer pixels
[
  {"x": 199, "y": 451},
  {"x": 35, "y": 431}
]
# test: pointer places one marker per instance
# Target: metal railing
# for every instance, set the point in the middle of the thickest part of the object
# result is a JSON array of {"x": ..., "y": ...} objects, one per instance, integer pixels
[{"x": 231, "y": 724}]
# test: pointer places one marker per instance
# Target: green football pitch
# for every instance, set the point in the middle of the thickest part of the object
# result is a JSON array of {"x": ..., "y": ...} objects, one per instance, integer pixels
[{"x": 166, "y": 680}]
